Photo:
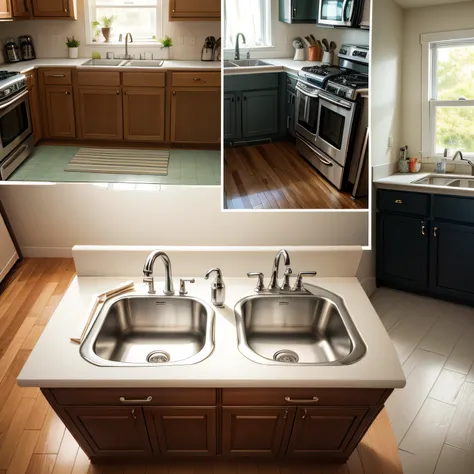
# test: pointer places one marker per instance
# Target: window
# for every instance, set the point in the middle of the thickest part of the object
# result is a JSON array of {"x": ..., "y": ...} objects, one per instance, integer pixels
[
  {"x": 449, "y": 111},
  {"x": 250, "y": 17},
  {"x": 142, "y": 18}
]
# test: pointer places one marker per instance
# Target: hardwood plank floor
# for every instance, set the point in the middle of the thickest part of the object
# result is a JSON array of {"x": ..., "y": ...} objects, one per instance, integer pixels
[
  {"x": 34, "y": 441},
  {"x": 275, "y": 176}
]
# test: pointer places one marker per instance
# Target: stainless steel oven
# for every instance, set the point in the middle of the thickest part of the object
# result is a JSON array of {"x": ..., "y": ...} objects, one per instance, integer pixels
[
  {"x": 15, "y": 133},
  {"x": 341, "y": 12},
  {"x": 307, "y": 110}
]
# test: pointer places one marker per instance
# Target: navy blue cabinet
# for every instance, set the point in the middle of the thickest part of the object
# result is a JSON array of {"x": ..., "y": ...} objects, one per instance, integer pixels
[
  {"x": 298, "y": 11},
  {"x": 231, "y": 130},
  {"x": 259, "y": 113}
]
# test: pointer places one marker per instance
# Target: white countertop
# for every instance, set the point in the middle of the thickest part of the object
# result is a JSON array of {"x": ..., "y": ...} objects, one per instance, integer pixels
[
  {"x": 277, "y": 65},
  {"x": 25, "y": 66},
  {"x": 406, "y": 182},
  {"x": 56, "y": 362}
]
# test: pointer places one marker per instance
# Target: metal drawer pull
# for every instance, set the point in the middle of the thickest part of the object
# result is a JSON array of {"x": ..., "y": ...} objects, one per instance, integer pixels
[
  {"x": 305, "y": 414},
  {"x": 324, "y": 162},
  {"x": 57, "y": 75},
  {"x": 398, "y": 201},
  {"x": 423, "y": 228},
  {"x": 135, "y": 402},
  {"x": 312, "y": 400},
  {"x": 196, "y": 79},
  {"x": 435, "y": 231}
]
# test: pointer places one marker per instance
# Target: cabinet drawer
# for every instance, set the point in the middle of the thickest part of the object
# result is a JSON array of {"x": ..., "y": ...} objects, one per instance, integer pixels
[
  {"x": 404, "y": 202},
  {"x": 298, "y": 396},
  {"x": 453, "y": 208},
  {"x": 134, "y": 396},
  {"x": 196, "y": 79},
  {"x": 98, "y": 78},
  {"x": 57, "y": 77},
  {"x": 143, "y": 79}
]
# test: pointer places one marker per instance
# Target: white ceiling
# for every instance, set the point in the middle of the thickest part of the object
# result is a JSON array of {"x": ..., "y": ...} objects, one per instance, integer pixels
[{"x": 427, "y": 3}]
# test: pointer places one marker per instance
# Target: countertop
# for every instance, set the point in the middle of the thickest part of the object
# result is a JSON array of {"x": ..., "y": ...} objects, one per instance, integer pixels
[
  {"x": 406, "y": 182},
  {"x": 25, "y": 66},
  {"x": 56, "y": 362},
  {"x": 277, "y": 65}
]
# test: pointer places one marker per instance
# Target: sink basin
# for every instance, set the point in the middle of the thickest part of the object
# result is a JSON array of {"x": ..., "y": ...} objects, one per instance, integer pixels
[
  {"x": 149, "y": 330},
  {"x": 246, "y": 63},
  {"x": 143, "y": 63},
  {"x": 436, "y": 180},
  {"x": 462, "y": 183},
  {"x": 103, "y": 62},
  {"x": 229, "y": 64},
  {"x": 305, "y": 329}
]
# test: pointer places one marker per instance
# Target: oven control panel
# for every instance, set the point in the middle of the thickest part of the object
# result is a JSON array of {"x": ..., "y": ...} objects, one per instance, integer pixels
[{"x": 10, "y": 90}]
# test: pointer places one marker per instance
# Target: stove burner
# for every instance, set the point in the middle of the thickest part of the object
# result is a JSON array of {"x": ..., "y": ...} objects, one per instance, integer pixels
[
  {"x": 7, "y": 74},
  {"x": 356, "y": 81}
]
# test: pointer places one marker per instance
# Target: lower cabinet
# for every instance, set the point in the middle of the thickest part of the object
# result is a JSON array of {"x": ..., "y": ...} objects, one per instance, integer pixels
[
  {"x": 259, "y": 113},
  {"x": 231, "y": 118},
  {"x": 255, "y": 430},
  {"x": 182, "y": 431},
  {"x": 60, "y": 111}
]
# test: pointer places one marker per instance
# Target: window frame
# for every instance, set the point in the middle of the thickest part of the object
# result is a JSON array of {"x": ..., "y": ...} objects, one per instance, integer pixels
[{"x": 430, "y": 43}]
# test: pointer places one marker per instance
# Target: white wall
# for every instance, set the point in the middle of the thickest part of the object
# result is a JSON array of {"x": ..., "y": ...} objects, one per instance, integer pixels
[
  {"x": 49, "y": 36},
  {"x": 458, "y": 16},
  {"x": 48, "y": 220}
]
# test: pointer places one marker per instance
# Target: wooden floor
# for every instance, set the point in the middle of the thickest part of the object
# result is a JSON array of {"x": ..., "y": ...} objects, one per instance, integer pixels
[
  {"x": 275, "y": 176},
  {"x": 34, "y": 441}
]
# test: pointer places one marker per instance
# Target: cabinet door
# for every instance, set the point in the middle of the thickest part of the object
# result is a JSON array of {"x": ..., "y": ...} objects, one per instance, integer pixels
[
  {"x": 196, "y": 115},
  {"x": 451, "y": 255},
  {"x": 260, "y": 431},
  {"x": 53, "y": 8},
  {"x": 304, "y": 11},
  {"x": 402, "y": 250},
  {"x": 144, "y": 114},
  {"x": 35, "y": 114},
  {"x": 318, "y": 430},
  {"x": 100, "y": 113},
  {"x": 191, "y": 9},
  {"x": 182, "y": 431},
  {"x": 5, "y": 9},
  {"x": 259, "y": 113},
  {"x": 231, "y": 126},
  {"x": 60, "y": 111},
  {"x": 21, "y": 8},
  {"x": 112, "y": 431}
]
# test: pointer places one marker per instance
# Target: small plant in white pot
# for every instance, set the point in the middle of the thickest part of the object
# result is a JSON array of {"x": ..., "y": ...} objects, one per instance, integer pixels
[
  {"x": 73, "y": 47},
  {"x": 107, "y": 22},
  {"x": 166, "y": 43}
]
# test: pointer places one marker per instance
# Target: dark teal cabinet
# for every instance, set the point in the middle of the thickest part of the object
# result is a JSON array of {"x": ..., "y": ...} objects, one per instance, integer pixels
[
  {"x": 298, "y": 11},
  {"x": 231, "y": 130},
  {"x": 259, "y": 113}
]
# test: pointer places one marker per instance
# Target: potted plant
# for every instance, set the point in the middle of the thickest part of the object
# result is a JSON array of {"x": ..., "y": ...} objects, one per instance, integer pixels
[
  {"x": 107, "y": 22},
  {"x": 73, "y": 47},
  {"x": 166, "y": 44},
  {"x": 95, "y": 30}
]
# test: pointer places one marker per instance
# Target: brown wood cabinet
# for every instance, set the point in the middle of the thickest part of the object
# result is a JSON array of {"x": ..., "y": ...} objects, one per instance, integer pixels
[
  {"x": 5, "y": 9},
  {"x": 35, "y": 109},
  {"x": 21, "y": 8},
  {"x": 64, "y": 9},
  {"x": 196, "y": 115},
  {"x": 144, "y": 114},
  {"x": 100, "y": 113},
  {"x": 182, "y": 431},
  {"x": 189, "y": 10},
  {"x": 60, "y": 111},
  {"x": 112, "y": 431}
]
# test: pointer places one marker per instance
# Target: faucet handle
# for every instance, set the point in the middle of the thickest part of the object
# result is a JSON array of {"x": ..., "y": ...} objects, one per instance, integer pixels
[
  {"x": 182, "y": 285},
  {"x": 286, "y": 283},
  {"x": 299, "y": 286},
  {"x": 260, "y": 286}
]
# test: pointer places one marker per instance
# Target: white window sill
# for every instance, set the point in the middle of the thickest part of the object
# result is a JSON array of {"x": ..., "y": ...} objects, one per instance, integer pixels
[{"x": 135, "y": 44}]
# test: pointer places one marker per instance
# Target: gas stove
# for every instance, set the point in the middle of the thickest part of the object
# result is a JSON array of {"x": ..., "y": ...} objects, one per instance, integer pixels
[
  {"x": 348, "y": 85},
  {"x": 319, "y": 75},
  {"x": 11, "y": 84}
]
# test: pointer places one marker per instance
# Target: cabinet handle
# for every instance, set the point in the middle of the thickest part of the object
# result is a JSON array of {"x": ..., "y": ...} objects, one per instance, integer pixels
[
  {"x": 133, "y": 414},
  {"x": 286, "y": 415},
  {"x": 291, "y": 400},
  {"x": 238, "y": 99},
  {"x": 232, "y": 100},
  {"x": 135, "y": 402},
  {"x": 435, "y": 231},
  {"x": 245, "y": 98},
  {"x": 56, "y": 75},
  {"x": 118, "y": 92},
  {"x": 196, "y": 79},
  {"x": 304, "y": 415},
  {"x": 174, "y": 93},
  {"x": 67, "y": 93},
  {"x": 423, "y": 228},
  {"x": 287, "y": 121},
  {"x": 398, "y": 201}
]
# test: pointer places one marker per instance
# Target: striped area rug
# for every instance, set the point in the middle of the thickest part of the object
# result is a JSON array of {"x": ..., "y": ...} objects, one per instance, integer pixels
[{"x": 120, "y": 161}]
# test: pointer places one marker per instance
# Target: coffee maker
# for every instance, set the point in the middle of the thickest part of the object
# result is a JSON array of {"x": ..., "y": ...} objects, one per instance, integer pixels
[
  {"x": 207, "y": 52},
  {"x": 27, "y": 49}
]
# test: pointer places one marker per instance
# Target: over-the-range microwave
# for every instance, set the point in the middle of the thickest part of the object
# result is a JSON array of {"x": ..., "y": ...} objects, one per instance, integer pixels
[{"x": 341, "y": 12}]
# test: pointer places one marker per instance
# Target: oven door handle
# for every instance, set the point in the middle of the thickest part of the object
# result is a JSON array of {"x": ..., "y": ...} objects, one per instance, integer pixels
[
  {"x": 314, "y": 94},
  {"x": 323, "y": 161},
  {"x": 15, "y": 155},
  {"x": 7, "y": 104},
  {"x": 329, "y": 99},
  {"x": 317, "y": 152}
]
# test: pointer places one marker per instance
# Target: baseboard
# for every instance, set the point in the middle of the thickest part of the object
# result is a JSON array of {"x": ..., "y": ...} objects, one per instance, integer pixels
[
  {"x": 47, "y": 252},
  {"x": 369, "y": 285}
]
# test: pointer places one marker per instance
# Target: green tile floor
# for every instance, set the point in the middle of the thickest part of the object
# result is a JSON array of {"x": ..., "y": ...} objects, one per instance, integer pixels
[{"x": 188, "y": 167}]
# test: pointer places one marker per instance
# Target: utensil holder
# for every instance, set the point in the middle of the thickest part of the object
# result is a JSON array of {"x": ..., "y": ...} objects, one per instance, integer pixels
[
  {"x": 328, "y": 58},
  {"x": 314, "y": 53},
  {"x": 299, "y": 54}
]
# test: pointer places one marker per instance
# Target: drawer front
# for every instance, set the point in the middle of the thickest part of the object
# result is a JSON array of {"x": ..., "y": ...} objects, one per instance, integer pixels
[
  {"x": 404, "y": 202},
  {"x": 453, "y": 208},
  {"x": 196, "y": 79},
  {"x": 302, "y": 397},
  {"x": 98, "y": 78},
  {"x": 134, "y": 396},
  {"x": 143, "y": 79},
  {"x": 54, "y": 77}
]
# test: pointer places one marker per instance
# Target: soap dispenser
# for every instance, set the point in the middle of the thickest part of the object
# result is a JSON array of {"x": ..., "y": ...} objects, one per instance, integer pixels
[{"x": 217, "y": 288}]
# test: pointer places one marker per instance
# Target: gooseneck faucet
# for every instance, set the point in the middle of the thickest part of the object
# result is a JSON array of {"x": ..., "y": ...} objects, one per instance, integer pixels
[
  {"x": 276, "y": 265},
  {"x": 460, "y": 154},
  {"x": 127, "y": 37},
  {"x": 237, "y": 48},
  {"x": 148, "y": 273}
]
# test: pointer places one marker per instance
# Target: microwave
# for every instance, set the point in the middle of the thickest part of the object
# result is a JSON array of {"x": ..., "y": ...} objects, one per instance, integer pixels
[{"x": 346, "y": 13}]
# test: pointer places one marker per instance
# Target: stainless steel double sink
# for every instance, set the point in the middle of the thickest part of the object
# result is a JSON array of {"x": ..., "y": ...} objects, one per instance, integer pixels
[
  {"x": 123, "y": 63},
  {"x": 272, "y": 329},
  {"x": 245, "y": 63},
  {"x": 447, "y": 181}
]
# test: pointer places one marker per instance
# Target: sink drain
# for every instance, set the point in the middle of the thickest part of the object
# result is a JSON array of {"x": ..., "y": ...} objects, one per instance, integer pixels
[
  {"x": 158, "y": 357},
  {"x": 287, "y": 356}
]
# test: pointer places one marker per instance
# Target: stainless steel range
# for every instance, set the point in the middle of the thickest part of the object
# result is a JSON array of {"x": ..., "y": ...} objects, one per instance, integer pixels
[
  {"x": 327, "y": 108},
  {"x": 16, "y": 139}
]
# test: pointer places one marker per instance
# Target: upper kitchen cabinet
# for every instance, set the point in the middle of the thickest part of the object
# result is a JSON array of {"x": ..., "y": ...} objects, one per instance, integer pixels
[
  {"x": 365, "y": 21},
  {"x": 21, "y": 8},
  {"x": 192, "y": 10},
  {"x": 299, "y": 11},
  {"x": 5, "y": 10},
  {"x": 64, "y": 9}
]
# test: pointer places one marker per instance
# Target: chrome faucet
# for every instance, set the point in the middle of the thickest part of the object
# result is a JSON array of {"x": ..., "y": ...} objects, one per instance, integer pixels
[
  {"x": 148, "y": 272},
  {"x": 127, "y": 36},
  {"x": 459, "y": 152},
  {"x": 217, "y": 288},
  {"x": 276, "y": 265},
  {"x": 237, "y": 49}
]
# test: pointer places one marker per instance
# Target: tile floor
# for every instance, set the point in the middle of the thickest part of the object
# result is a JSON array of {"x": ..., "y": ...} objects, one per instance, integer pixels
[
  {"x": 433, "y": 416},
  {"x": 186, "y": 167}
]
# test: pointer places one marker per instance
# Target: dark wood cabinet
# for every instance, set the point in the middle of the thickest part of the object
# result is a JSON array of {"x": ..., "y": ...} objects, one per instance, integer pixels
[
  {"x": 255, "y": 430},
  {"x": 298, "y": 11},
  {"x": 182, "y": 431},
  {"x": 112, "y": 431}
]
